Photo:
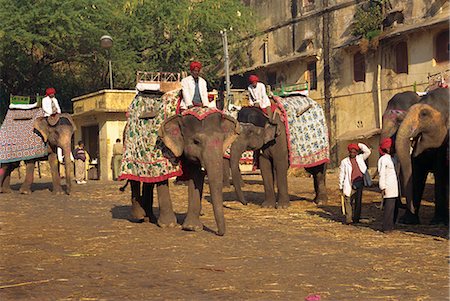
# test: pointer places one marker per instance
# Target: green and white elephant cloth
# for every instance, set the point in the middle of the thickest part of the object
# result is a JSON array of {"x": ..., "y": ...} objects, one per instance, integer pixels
[
  {"x": 18, "y": 140},
  {"x": 306, "y": 130},
  {"x": 145, "y": 157}
]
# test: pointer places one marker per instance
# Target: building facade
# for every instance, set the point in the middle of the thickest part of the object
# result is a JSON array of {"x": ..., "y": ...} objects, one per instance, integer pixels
[{"x": 351, "y": 77}]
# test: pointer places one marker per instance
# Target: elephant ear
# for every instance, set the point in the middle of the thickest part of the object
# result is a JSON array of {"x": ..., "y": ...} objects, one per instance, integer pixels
[
  {"x": 170, "y": 133},
  {"x": 41, "y": 125},
  {"x": 231, "y": 130},
  {"x": 270, "y": 132}
]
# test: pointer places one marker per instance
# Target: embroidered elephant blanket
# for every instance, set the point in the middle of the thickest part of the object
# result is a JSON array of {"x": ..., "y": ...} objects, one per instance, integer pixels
[
  {"x": 145, "y": 156},
  {"x": 18, "y": 140},
  {"x": 306, "y": 130}
]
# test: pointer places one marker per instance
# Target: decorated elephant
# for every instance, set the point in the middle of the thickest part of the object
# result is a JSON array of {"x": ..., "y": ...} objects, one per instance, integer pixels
[
  {"x": 426, "y": 123},
  {"x": 26, "y": 135},
  {"x": 297, "y": 138},
  {"x": 155, "y": 145},
  {"x": 395, "y": 112}
]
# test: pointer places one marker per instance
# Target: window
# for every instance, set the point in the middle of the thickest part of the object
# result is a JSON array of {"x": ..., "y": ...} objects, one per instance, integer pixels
[
  {"x": 272, "y": 79},
  {"x": 359, "y": 67},
  {"x": 312, "y": 70},
  {"x": 401, "y": 58},
  {"x": 442, "y": 47}
]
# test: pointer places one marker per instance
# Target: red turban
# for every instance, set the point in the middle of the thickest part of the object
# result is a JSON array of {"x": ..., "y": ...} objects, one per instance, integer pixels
[
  {"x": 253, "y": 79},
  {"x": 50, "y": 91},
  {"x": 196, "y": 65},
  {"x": 353, "y": 146},
  {"x": 385, "y": 145}
]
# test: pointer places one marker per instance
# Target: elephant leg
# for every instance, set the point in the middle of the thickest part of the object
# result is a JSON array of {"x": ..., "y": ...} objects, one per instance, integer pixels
[
  {"x": 166, "y": 216},
  {"x": 419, "y": 177},
  {"x": 236, "y": 153},
  {"x": 5, "y": 183},
  {"x": 267, "y": 174},
  {"x": 441, "y": 176},
  {"x": 226, "y": 172},
  {"x": 319, "y": 176},
  {"x": 281, "y": 167},
  {"x": 56, "y": 178},
  {"x": 147, "y": 201},
  {"x": 195, "y": 189},
  {"x": 137, "y": 212},
  {"x": 25, "y": 188}
]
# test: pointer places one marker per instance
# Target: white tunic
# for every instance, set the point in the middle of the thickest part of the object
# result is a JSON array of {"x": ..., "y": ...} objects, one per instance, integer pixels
[
  {"x": 188, "y": 86},
  {"x": 258, "y": 95},
  {"x": 345, "y": 174},
  {"x": 388, "y": 176},
  {"x": 47, "y": 105}
]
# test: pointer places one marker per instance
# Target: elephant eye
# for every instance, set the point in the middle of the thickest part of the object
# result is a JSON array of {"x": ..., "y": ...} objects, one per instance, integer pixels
[
  {"x": 196, "y": 141},
  {"x": 424, "y": 113}
]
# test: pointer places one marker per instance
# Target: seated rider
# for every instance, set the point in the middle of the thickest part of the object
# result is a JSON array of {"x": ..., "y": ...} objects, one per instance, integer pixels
[
  {"x": 195, "y": 92},
  {"x": 258, "y": 95},
  {"x": 50, "y": 104}
]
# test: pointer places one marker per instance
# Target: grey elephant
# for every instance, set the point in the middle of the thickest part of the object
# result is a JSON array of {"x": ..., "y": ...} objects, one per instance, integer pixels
[
  {"x": 395, "y": 112},
  {"x": 37, "y": 138},
  {"x": 271, "y": 141},
  {"x": 196, "y": 138},
  {"x": 426, "y": 124}
]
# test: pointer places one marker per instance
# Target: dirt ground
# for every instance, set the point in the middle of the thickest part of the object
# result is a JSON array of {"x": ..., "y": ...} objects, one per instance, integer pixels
[{"x": 83, "y": 247}]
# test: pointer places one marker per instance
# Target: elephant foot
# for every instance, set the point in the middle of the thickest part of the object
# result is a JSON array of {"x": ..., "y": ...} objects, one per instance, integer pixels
[
  {"x": 439, "y": 221},
  {"x": 25, "y": 190},
  {"x": 137, "y": 212},
  {"x": 244, "y": 202},
  {"x": 283, "y": 205},
  {"x": 58, "y": 191},
  {"x": 150, "y": 218},
  {"x": 192, "y": 224},
  {"x": 268, "y": 204},
  {"x": 409, "y": 219},
  {"x": 321, "y": 200},
  {"x": 167, "y": 221},
  {"x": 5, "y": 190}
]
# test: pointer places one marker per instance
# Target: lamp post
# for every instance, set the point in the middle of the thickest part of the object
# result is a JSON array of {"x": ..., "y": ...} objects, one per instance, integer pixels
[
  {"x": 106, "y": 42},
  {"x": 227, "y": 67}
]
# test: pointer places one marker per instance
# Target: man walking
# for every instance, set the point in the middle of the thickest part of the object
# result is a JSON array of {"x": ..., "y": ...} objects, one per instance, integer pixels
[
  {"x": 117, "y": 158},
  {"x": 79, "y": 156}
]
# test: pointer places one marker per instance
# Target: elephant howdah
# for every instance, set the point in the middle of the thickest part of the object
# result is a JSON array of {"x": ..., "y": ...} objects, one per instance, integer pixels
[
  {"x": 18, "y": 141},
  {"x": 145, "y": 157}
]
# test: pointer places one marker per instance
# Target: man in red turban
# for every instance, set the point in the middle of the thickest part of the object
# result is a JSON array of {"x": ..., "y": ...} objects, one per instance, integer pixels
[
  {"x": 195, "y": 90},
  {"x": 258, "y": 95},
  {"x": 388, "y": 183},
  {"x": 385, "y": 146},
  {"x": 353, "y": 176},
  {"x": 50, "y": 104}
]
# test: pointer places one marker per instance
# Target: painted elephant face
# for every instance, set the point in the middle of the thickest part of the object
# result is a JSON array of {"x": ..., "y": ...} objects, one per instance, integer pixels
[
  {"x": 256, "y": 137},
  {"x": 198, "y": 139}
]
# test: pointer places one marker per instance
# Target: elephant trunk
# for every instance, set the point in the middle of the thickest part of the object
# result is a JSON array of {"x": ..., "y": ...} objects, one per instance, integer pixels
[
  {"x": 407, "y": 130},
  {"x": 389, "y": 127},
  {"x": 213, "y": 162}
]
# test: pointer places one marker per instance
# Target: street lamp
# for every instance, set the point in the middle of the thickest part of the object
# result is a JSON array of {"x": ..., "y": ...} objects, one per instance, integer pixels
[{"x": 106, "y": 42}]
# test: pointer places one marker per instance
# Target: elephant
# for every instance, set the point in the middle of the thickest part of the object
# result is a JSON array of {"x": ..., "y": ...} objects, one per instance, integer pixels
[
  {"x": 270, "y": 140},
  {"x": 198, "y": 142},
  {"x": 426, "y": 123},
  {"x": 395, "y": 112},
  {"x": 57, "y": 135}
]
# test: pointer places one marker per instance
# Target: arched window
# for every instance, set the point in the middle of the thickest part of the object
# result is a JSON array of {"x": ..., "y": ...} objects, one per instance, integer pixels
[
  {"x": 442, "y": 47},
  {"x": 401, "y": 57},
  {"x": 359, "y": 67}
]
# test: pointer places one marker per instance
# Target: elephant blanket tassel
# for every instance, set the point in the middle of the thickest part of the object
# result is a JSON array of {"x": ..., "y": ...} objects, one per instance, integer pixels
[
  {"x": 306, "y": 131},
  {"x": 145, "y": 156},
  {"x": 18, "y": 140}
]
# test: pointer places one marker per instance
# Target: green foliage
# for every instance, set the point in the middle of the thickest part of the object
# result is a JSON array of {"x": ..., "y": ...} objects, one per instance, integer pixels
[
  {"x": 368, "y": 20},
  {"x": 56, "y": 43}
]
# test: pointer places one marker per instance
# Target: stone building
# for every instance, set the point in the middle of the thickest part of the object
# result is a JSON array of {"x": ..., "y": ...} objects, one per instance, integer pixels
[{"x": 311, "y": 41}]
